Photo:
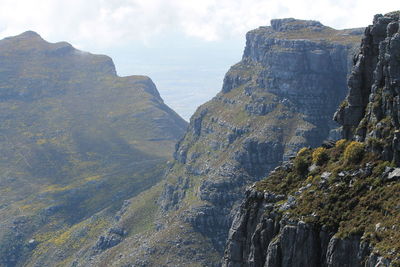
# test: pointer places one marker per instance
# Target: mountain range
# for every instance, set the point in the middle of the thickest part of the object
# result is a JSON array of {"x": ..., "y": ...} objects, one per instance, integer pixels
[{"x": 97, "y": 171}]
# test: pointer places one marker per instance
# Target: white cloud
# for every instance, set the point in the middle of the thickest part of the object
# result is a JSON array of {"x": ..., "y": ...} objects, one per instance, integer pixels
[{"x": 109, "y": 22}]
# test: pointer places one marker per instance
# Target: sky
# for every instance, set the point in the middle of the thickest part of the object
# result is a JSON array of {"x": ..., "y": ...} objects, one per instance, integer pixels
[{"x": 185, "y": 46}]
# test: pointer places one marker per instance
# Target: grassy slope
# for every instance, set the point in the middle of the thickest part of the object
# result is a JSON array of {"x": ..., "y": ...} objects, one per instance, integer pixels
[{"x": 75, "y": 139}]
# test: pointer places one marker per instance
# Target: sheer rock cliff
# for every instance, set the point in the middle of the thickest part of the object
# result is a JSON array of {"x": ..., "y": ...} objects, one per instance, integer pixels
[{"x": 336, "y": 205}]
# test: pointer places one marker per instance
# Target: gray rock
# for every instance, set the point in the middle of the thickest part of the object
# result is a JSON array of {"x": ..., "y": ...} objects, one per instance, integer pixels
[
  {"x": 113, "y": 237},
  {"x": 291, "y": 24},
  {"x": 375, "y": 79},
  {"x": 376, "y": 75},
  {"x": 394, "y": 175},
  {"x": 259, "y": 238},
  {"x": 326, "y": 175},
  {"x": 290, "y": 203},
  {"x": 301, "y": 80}
]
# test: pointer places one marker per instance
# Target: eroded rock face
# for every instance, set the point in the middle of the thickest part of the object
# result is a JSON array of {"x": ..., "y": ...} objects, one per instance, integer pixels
[
  {"x": 260, "y": 237},
  {"x": 372, "y": 104}
]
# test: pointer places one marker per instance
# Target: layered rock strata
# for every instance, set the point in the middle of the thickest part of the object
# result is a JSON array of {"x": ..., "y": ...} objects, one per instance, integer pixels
[{"x": 331, "y": 213}]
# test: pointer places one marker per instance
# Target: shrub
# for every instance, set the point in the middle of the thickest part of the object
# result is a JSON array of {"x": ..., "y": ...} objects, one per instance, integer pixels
[
  {"x": 341, "y": 143},
  {"x": 301, "y": 165},
  {"x": 302, "y": 152},
  {"x": 302, "y": 161},
  {"x": 344, "y": 104},
  {"x": 320, "y": 156},
  {"x": 354, "y": 152}
]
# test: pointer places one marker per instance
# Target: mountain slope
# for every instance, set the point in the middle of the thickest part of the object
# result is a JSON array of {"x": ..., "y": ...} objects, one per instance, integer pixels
[
  {"x": 336, "y": 205},
  {"x": 75, "y": 139},
  {"x": 279, "y": 98}
]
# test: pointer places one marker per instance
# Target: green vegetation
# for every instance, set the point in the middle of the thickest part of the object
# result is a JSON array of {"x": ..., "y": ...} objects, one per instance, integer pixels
[
  {"x": 320, "y": 156},
  {"x": 347, "y": 193},
  {"x": 76, "y": 139},
  {"x": 140, "y": 216},
  {"x": 354, "y": 152},
  {"x": 344, "y": 103},
  {"x": 301, "y": 162}
]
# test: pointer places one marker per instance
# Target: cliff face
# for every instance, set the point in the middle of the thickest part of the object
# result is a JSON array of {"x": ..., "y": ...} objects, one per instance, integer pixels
[
  {"x": 371, "y": 109},
  {"x": 260, "y": 236},
  {"x": 75, "y": 139},
  {"x": 336, "y": 205},
  {"x": 279, "y": 98}
]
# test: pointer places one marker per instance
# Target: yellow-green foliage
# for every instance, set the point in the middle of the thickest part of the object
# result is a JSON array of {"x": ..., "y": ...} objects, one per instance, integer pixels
[
  {"x": 141, "y": 214},
  {"x": 41, "y": 141},
  {"x": 320, "y": 156},
  {"x": 62, "y": 238},
  {"x": 354, "y": 152},
  {"x": 341, "y": 143},
  {"x": 55, "y": 188},
  {"x": 303, "y": 151},
  {"x": 93, "y": 178},
  {"x": 344, "y": 104},
  {"x": 70, "y": 238}
]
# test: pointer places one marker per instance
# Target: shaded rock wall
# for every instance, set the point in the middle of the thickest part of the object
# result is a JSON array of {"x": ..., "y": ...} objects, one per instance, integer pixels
[
  {"x": 259, "y": 237},
  {"x": 371, "y": 109}
]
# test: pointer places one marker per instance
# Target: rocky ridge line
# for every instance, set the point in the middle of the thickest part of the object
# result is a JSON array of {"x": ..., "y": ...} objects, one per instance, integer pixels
[{"x": 265, "y": 231}]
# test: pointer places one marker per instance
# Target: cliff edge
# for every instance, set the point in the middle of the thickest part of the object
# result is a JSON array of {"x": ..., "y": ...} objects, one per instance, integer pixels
[{"x": 336, "y": 205}]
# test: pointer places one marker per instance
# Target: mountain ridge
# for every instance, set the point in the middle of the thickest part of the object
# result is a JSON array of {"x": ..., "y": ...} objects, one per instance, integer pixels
[
  {"x": 335, "y": 205},
  {"x": 76, "y": 140}
]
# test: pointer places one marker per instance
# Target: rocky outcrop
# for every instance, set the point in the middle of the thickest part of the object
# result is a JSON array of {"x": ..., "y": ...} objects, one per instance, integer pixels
[
  {"x": 113, "y": 237},
  {"x": 260, "y": 237},
  {"x": 372, "y": 104},
  {"x": 296, "y": 230}
]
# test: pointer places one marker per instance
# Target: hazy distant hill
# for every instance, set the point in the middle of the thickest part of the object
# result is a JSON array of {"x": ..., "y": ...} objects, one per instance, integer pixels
[{"x": 74, "y": 139}]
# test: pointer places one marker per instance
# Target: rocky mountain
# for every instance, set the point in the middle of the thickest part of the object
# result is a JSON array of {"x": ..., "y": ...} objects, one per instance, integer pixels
[
  {"x": 336, "y": 205},
  {"x": 279, "y": 98},
  {"x": 75, "y": 140}
]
